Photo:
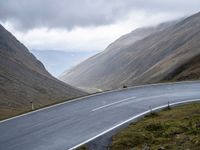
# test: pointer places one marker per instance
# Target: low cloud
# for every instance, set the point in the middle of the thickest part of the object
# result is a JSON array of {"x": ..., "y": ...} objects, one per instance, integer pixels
[
  {"x": 69, "y": 14},
  {"x": 95, "y": 38},
  {"x": 85, "y": 25}
]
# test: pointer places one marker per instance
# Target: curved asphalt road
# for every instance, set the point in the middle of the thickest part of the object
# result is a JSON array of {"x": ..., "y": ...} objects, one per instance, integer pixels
[{"x": 67, "y": 125}]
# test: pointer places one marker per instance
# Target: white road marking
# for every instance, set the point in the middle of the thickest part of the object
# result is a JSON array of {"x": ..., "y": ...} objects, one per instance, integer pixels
[
  {"x": 131, "y": 119},
  {"x": 114, "y": 103},
  {"x": 139, "y": 99},
  {"x": 97, "y": 94}
]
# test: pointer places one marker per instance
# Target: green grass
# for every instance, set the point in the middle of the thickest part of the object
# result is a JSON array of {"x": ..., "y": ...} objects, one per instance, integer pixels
[
  {"x": 84, "y": 147},
  {"x": 177, "y": 128}
]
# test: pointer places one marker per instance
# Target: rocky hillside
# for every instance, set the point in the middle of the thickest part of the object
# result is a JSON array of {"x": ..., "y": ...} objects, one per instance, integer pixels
[
  {"x": 188, "y": 71},
  {"x": 153, "y": 57},
  {"x": 23, "y": 79}
]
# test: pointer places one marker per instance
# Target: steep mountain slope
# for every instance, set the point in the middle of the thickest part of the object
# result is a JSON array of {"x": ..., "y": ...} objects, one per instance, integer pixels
[
  {"x": 125, "y": 59},
  {"x": 170, "y": 51},
  {"x": 149, "y": 59},
  {"x": 23, "y": 79},
  {"x": 188, "y": 71}
]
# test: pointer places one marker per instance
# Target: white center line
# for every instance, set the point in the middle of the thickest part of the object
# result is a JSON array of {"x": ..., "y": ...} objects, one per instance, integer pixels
[
  {"x": 113, "y": 103},
  {"x": 132, "y": 119}
]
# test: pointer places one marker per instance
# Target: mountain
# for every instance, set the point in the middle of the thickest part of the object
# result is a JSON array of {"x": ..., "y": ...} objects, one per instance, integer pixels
[
  {"x": 24, "y": 79},
  {"x": 57, "y": 62},
  {"x": 152, "y": 56}
]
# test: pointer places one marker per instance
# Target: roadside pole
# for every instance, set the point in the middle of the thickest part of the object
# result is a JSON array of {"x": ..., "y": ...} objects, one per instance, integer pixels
[{"x": 32, "y": 105}]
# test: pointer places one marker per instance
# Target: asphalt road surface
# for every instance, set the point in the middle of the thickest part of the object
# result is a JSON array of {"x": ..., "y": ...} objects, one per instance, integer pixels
[{"x": 67, "y": 125}]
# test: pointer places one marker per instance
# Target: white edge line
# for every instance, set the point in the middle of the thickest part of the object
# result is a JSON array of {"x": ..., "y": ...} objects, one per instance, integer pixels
[
  {"x": 92, "y": 95},
  {"x": 131, "y": 119}
]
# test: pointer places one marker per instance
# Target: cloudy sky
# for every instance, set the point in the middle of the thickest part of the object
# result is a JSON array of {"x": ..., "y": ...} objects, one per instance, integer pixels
[{"x": 85, "y": 25}]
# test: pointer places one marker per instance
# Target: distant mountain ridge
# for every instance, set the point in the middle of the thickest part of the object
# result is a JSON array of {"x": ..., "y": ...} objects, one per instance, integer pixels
[
  {"x": 24, "y": 79},
  {"x": 57, "y": 62},
  {"x": 131, "y": 61}
]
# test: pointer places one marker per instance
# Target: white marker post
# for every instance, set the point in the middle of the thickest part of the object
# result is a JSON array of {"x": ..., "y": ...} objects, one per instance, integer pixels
[
  {"x": 151, "y": 111},
  {"x": 168, "y": 105},
  {"x": 32, "y": 105}
]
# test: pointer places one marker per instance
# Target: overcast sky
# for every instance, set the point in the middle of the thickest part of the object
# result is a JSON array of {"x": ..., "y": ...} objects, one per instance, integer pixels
[{"x": 85, "y": 25}]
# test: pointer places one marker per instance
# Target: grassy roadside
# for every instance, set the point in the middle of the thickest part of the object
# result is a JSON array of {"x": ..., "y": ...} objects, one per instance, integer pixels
[{"x": 177, "y": 128}]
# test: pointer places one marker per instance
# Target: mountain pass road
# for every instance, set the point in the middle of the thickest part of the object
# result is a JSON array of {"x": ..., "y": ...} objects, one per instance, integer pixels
[{"x": 70, "y": 124}]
